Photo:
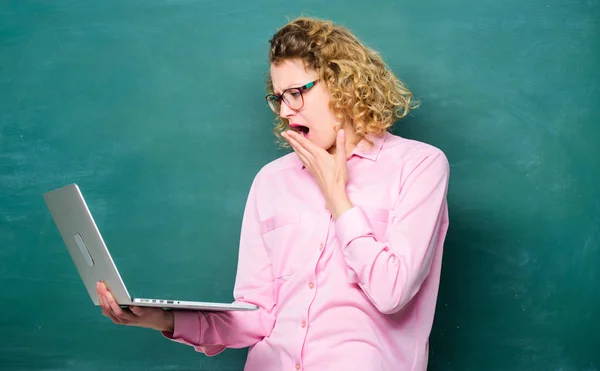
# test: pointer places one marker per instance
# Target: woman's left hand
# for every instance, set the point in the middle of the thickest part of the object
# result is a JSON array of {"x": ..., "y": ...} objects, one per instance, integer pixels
[{"x": 330, "y": 171}]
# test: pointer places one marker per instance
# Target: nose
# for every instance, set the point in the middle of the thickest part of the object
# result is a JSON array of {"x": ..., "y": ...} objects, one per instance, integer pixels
[{"x": 285, "y": 111}]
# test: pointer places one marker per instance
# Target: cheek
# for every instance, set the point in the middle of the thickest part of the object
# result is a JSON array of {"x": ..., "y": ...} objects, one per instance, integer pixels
[
  {"x": 323, "y": 119},
  {"x": 326, "y": 127},
  {"x": 324, "y": 136},
  {"x": 323, "y": 124}
]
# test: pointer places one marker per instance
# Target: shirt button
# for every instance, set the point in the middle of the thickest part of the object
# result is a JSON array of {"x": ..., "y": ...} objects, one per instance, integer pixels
[
  {"x": 311, "y": 285},
  {"x": 303, "y": 324},
  {"x": 297, "y": 366}
]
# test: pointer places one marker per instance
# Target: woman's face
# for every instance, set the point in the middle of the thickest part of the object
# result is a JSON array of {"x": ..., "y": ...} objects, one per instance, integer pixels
[{"x": 314, "y": 119}]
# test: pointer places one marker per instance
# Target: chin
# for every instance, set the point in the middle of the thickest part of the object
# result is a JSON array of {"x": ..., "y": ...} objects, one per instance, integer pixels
[
  {"x": 320, "y": 144},
  {"x": 328, "y": 147},
  {"x": 324, "y": 144}
]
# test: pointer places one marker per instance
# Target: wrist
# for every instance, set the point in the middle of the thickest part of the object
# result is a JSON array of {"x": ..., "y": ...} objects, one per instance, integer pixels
[
  {"x": 168, "y": 323},
  {"x": 340, "y": 206}
]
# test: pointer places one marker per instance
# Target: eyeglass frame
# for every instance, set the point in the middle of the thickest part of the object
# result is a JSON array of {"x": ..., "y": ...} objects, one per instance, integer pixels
[{"x": 279, "y": 97}]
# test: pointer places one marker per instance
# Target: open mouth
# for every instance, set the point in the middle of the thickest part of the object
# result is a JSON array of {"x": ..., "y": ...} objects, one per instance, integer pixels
[{"x": 300, "y": 129}]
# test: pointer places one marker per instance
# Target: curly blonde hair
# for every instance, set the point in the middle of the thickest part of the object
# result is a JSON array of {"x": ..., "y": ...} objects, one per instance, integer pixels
[{"x": 363, "y": 90}]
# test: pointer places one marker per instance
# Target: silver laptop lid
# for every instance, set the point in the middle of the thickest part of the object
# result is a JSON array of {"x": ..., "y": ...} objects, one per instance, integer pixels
[{"x": 84, "y": 242}]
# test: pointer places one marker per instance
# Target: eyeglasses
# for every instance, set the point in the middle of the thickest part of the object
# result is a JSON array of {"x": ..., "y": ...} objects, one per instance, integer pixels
[{"x": 292, "y": 97}]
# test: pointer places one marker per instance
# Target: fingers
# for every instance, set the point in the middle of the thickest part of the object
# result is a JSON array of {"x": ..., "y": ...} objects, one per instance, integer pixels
[
  {"x": 293, "y": 139},
  {"x": 100, "y": 294},
  {"x": 99, "y": 289},
  {"x": 298, "y": 141},
  {"x": 106, "y": 311},
  {"x": 122, "y": 314},
  {"x": 138, "y": 311},
  {"x": 134, "y": 316},
  {"x": 111, "y": 309},
  {"x": 110, "y": 315}
]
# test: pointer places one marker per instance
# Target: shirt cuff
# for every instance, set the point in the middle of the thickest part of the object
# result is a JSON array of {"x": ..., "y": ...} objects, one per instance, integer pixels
[
  {"x": 187, "y": 331},
  {"x": 351, "y": 225}
]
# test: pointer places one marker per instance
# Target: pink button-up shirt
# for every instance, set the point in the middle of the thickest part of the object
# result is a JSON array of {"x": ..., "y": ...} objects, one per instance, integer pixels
[{"x": 356, "y": 294}]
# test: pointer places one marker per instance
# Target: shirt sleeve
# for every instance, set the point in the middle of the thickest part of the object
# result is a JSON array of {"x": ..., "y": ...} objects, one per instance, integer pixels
[
  {"x": 212, "y": 332},
  {"x": 391, "y": 272}
]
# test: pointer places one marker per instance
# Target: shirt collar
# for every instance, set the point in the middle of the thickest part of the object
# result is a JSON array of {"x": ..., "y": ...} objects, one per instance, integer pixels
[
  {"x": 363, "y": 148},
  {"x": 370, "y": 151}
]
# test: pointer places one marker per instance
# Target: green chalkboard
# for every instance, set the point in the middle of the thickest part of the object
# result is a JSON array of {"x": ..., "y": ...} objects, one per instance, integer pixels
[{"x": 156, "y": 109}]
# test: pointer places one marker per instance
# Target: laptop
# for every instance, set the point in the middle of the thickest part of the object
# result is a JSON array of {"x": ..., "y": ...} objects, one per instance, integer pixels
[{"x": 93, "y": 260}]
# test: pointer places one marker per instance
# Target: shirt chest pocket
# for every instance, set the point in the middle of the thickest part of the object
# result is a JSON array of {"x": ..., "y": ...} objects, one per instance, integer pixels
[
  {"x": 290, "y": 237},
  {"x": 286, "y": 236}
]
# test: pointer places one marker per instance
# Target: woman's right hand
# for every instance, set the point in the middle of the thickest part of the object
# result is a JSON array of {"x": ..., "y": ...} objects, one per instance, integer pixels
[{"x": 154, "y": 318}]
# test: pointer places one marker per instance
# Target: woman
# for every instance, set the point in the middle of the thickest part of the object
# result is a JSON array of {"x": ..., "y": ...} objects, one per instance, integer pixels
[{"x": 341, "y": 240}]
